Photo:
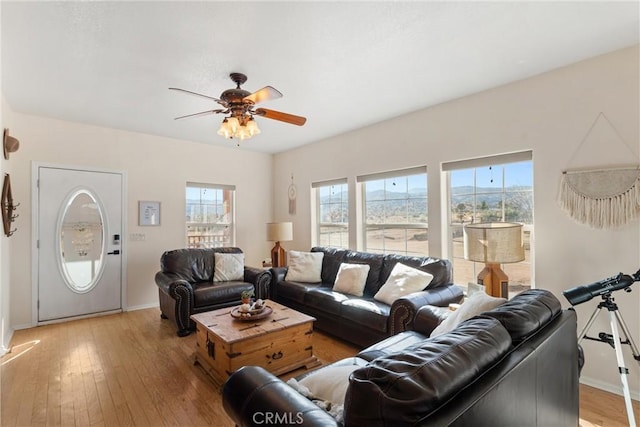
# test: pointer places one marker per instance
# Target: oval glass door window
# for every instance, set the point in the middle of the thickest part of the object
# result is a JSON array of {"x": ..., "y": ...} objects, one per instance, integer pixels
[{"x": 82, "y": 247}]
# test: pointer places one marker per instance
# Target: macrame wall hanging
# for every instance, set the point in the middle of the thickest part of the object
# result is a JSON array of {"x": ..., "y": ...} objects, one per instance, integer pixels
[
  {"x": 602, "y": 197},
  {"x": 292, "y": 193}
]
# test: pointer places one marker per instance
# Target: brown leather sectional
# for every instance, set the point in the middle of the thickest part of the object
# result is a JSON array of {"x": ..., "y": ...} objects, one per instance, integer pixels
[
  {"x": 515, "y": 365},
  {"x": 364, "y": 320}
]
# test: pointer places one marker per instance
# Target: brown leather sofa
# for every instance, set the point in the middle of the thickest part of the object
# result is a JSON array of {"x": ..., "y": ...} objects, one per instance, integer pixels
[
  {"x": 364, "y": 320},
  {"x": 515, "y": 365},
  {"x": 186, "y": 286}
]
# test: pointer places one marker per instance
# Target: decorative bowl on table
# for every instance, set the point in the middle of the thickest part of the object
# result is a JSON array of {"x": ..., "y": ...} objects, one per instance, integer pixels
[{"x": 255, "y": 311}]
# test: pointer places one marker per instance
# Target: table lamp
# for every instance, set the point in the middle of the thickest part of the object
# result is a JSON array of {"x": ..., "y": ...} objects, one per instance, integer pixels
[
  {"x": 494, "y": 243},
  {"x": 279, "y": 232}
]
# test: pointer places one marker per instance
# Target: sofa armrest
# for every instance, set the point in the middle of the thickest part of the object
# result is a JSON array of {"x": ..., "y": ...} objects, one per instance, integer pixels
[
  {"x": 277, "y": 275},
  {"x": 169, "y": 281},
  {"x": 254, "y": 397},
  {"x": 429, "y": 317},
  {"x": 182, "y": 292},
  {"x": 261, "y": 280},
  {"x": 404, "y": 309}
]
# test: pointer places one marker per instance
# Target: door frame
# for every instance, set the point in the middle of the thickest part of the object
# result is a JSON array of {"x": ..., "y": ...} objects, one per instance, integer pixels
[{"x": 35, "y": 254}]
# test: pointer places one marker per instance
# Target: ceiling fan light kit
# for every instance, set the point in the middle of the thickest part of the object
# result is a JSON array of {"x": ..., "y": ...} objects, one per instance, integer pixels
[
  {"x": 239, "y": 105},
  {"x": 233, "y": 128}
]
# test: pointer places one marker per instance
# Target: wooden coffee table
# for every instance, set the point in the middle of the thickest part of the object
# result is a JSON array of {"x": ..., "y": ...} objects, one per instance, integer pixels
[{"x": 279, "y": 343}]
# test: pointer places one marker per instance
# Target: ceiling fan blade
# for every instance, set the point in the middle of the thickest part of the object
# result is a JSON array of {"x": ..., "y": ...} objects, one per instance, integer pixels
[
  {"x": 283, "y": 117},
  {"x": 195, "y": 93},
  {"x": 264, "y": 94},
  {"x": 202, "y": 113}
]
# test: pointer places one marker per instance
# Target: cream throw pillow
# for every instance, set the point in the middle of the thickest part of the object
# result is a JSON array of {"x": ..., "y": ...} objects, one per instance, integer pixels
[
  {"x": 304, "y": 266},
  {"x": 402, "y": 281},
  {"x": 329, "y": 383},
  {"x": 228, "y": 267},
  {"x": 476, "y": 304},
  {"x": 351, "y": 279}
]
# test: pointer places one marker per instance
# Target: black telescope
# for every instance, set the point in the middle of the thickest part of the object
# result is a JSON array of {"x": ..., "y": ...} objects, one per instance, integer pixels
[{"x": 584, "y": 293}]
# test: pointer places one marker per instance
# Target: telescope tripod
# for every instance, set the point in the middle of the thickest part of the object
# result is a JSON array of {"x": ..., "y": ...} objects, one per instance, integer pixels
[{"x": 614, "y": 340}]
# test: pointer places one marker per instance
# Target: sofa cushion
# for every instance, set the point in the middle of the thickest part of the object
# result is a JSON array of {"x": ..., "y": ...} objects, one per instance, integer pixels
[
  {"x": 296, "y": 291},
  {"x": 393, "y": 344},
  {"x": 304, "y": 266},
  {"x": 228, "y": 267},
  {"x": 329, "y": 383},
  {"x": 439, "y": 268},
  {"x": 476, "y": 304},
  {"x": 351, "y": 279},
  {"x": 331, "y": 261},
  {"x": 325, "y": 299},
  {"x": 402, "y": 281},
  {"x": 327, "y": 386},
  {"x": 374, "y": 261},
  {"x": 526, "y": 312},
  {"x": 209, "y": 293},
  {"x": 366, "y": 312},
  {"x": 400, "y": 388},
  {"x": 193, "y": 265}
]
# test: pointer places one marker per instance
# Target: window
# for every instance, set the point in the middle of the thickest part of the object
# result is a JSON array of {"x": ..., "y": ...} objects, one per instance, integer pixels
[
  {"x": 209, "y": 215},
  {"x": 395, "y": 212},
  {"x": 332, "y": 213},
  {"x": 498, "y": 188}
]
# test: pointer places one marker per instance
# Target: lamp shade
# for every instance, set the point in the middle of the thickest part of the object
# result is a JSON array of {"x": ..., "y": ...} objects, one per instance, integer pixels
[
  {"x": 494, "y": 242},
  {"x": 279, "y": 231}
]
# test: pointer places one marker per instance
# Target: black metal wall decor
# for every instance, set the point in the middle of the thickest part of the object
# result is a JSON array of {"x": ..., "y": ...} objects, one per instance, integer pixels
[{"x": 8, "y": 207}]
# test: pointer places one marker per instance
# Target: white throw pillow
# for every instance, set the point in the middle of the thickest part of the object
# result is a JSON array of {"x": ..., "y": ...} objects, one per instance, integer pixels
[
  {"x": 228, "y": 267},
  {"x": 351, "y": 279},
  {"x": 329, "y": 383},
  {"x": 402, "y": 281},
  {"x": 474, "y": 305},
  {"x": 304, "y": 266}
]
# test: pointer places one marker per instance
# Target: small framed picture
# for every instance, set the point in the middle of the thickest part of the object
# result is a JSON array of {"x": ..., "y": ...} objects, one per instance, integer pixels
[{"x": 148, "y": 213}]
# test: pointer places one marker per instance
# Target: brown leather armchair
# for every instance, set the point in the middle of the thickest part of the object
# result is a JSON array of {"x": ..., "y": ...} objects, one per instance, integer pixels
[{"x": 185, "y": 285}]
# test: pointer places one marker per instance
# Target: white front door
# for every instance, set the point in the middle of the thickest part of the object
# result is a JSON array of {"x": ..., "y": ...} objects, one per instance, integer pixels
[{"x": 78, "y": 242}]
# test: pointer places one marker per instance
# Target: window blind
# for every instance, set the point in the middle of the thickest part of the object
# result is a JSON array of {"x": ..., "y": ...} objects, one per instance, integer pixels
[
  {"x": 521, "y": 156},
  {"x": 339, "y": 181},
  {"x": 392, "y": 174}
]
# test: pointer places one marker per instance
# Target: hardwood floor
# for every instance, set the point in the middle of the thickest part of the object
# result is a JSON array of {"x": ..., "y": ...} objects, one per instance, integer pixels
[{"x": 131, "y": 369}]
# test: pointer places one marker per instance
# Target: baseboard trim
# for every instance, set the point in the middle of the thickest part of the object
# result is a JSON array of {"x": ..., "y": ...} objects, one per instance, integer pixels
[
  {"x": 142, "y": 307},
  {"x": 5, "y": 345},
  {"x": 611, "y": 388},
  {"x": 23, "y": 326},
  {"x": 84, "y": 316}
]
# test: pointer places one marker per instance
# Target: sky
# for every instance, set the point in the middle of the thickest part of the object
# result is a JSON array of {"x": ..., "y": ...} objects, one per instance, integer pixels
[{"x": 520, "y": 173}]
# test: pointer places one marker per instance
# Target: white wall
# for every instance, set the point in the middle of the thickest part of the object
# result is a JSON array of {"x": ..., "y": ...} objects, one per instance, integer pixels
[
  {"x": 549, "y": 114},
  {"x": 157, "y": 169},
  {"x": 5, "y": 247},
  {"x": 5, "y": 258}
]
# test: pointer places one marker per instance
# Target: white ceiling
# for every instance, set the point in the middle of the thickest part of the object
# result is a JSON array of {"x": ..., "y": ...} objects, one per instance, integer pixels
[{"x": 343, "y": 65}]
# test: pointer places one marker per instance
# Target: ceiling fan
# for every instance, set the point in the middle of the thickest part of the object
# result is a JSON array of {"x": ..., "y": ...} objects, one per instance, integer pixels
[{"x": 239, "y": 104}]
